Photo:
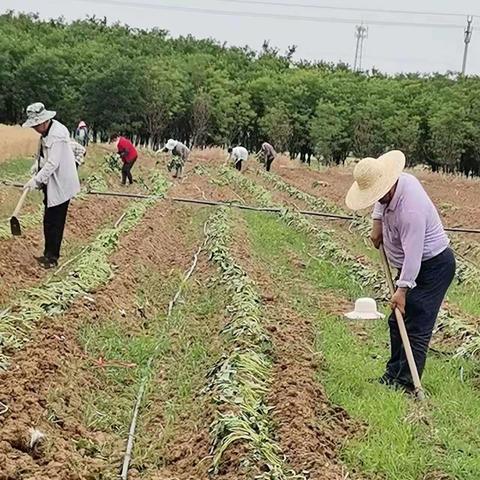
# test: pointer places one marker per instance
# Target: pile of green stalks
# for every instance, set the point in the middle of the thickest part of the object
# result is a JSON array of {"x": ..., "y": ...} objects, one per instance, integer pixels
[
  {"x": 467, "y": 272},
  {"x": 361, "y": 224},
  {"x": 89, "y": 271},
  {"x": 240, "y": 381},
  {"x": 95, "y": 182},
  {"x": 328, "y": 249}
]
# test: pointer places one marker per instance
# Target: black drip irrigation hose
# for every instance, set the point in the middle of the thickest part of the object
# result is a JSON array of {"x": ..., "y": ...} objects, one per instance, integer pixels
[{"x": 331, "y": 216}]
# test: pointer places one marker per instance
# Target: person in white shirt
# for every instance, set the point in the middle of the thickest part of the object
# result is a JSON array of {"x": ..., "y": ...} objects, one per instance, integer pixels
[
  {"x": 238, "y": 155},
  {"x": 55, "y": 174}
]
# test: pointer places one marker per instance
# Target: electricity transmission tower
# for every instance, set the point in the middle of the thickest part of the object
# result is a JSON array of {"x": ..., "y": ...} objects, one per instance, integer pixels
[
  {"x": 361, "y": 33},
  {"x": 468, "y": 37}
]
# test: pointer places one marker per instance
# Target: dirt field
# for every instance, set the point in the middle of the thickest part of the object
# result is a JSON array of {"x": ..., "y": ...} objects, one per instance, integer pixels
[
  {"x": 16, "y": 142},
  {"x": 77, "y": 378}
]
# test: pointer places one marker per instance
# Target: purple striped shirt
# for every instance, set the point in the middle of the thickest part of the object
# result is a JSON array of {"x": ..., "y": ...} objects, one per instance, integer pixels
[{"x": 412, "y": 229}]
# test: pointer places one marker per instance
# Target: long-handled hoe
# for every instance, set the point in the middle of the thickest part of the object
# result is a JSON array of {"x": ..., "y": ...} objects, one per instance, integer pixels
[
  {"x": 419, "y": 393},
  {"x": 14, "y": 222}
]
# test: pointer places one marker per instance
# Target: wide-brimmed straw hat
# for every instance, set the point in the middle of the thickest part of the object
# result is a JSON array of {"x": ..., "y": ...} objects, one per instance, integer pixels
[
  {"x": 37, "y": 114},
  {"x": 374, "y": 177},
  {"x": 171, "y": 144},
  {"x": 365, "y": 309}
]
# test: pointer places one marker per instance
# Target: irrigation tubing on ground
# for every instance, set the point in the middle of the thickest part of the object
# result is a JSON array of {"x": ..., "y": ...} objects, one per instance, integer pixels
[
  {"x": 141, "y": 391},
  {"x": 332, "y": 216}
]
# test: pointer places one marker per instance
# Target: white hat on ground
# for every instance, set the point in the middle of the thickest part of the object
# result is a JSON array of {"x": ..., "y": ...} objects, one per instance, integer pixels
[
  {"x": 171, "y": 144},
  {"x": 374, "y": 177},
  {"x": 37, "y": 114},
  {"x": 365, "y": 309}
]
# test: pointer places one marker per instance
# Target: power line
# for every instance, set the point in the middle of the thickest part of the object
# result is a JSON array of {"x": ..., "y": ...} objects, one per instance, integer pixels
[
  {"x": 305, "y": 18},
  {"x": 345, "y": 9}
]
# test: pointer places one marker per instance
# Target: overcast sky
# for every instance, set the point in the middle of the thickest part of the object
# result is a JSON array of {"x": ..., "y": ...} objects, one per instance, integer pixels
[{"x": 315, "y": 30}]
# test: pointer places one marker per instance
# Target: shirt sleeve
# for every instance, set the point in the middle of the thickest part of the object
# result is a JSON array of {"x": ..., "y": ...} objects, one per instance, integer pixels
[
  {"x": 55, "y": 153},
  {"x": 412, "y": 237},
  {"x": 378, "y": 211}
]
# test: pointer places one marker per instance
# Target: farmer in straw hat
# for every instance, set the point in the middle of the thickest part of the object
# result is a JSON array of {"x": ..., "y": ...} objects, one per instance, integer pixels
[
  {"x": 409, "y": 226},
  {"x": 55, "y": 174},
  {"x": 180, "y": 154}
]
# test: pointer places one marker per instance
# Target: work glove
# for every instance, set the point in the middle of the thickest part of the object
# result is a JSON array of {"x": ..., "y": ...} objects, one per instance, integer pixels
[{"x": 32, "y": 184}]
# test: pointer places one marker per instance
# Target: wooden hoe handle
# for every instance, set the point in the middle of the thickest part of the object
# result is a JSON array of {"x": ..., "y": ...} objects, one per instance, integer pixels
[
  {"x": 403, "y": 331},
  {"x": 20, "y": 203}
]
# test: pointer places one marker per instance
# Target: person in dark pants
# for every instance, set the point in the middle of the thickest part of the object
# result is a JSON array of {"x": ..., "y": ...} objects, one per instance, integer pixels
[
  {"x": 409, "y": 226},
  {"x": 128, "y": 153},
  {"x": 54, "y": 221},
  {"x": 127, "y": 172},
  {"x": 238, "y": 155},
  {"x": 269, "y": 155},
  {"x": 56, "y": 174}
]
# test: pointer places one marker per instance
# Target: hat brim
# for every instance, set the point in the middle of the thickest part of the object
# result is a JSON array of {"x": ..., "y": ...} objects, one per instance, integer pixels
[
  {"x": 364, "y": 316},
  {"x": 33, "y": 122},
  {"x": 393, "y": 166}
]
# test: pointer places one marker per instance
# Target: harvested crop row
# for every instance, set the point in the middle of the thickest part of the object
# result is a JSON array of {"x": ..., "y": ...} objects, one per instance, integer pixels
[
  {"x": 467, "y": 273},
  {"x": 76, "y": 382},
  {"x": 241, "y": 380},
  {"x": 89, "y": 271}
]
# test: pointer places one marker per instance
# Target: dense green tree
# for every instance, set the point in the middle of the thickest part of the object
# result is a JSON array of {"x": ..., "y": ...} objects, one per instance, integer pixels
[{"x": 150, "y": 86}]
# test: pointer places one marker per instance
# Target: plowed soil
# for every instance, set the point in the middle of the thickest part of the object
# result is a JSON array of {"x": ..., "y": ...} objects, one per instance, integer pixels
[
  {"x": 309, "y": 428},
  {"x": 18, "y": 267}
]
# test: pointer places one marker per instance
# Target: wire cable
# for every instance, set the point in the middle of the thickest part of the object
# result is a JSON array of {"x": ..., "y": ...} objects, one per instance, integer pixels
[
  {"x": 304, "y": 18},
  {"x": 346, "y": 9}
]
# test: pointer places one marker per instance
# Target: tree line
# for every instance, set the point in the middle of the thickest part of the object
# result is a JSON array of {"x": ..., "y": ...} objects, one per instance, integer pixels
[{"x": 143, "y": 82}]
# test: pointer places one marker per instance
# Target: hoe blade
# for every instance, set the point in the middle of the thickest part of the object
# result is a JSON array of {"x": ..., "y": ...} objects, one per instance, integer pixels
[{"x": 15, "y": 227}]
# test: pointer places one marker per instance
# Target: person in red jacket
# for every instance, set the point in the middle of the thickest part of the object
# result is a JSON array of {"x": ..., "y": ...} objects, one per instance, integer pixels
[{"x": 128, "y": 153}]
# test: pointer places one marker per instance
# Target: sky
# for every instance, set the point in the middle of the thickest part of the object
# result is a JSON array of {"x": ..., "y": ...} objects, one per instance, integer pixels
[{"x": 319, "y": 33}]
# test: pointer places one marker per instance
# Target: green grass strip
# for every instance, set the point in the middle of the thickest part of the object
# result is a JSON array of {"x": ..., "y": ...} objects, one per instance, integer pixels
[{"x": 326, "y": 246}]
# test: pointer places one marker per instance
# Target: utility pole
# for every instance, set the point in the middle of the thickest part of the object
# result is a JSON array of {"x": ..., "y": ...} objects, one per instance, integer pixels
[
  {"x": 468, "y": 37},
  {"x": 361, "y": 32}
]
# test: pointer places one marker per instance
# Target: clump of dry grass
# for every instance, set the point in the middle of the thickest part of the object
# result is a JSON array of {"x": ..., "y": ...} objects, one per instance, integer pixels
[{"x": 16, "y": 141}]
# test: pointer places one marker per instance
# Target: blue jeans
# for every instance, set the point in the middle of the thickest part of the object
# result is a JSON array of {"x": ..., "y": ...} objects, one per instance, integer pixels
[{"x": 421, "y": 311}]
